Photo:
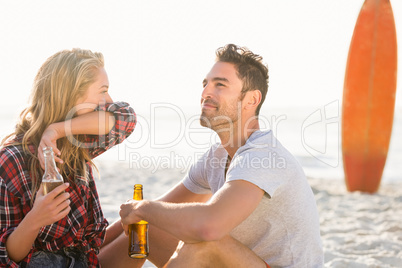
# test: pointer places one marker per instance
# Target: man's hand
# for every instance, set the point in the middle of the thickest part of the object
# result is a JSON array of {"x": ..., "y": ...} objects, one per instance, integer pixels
[{"x": 128, "y": 214}]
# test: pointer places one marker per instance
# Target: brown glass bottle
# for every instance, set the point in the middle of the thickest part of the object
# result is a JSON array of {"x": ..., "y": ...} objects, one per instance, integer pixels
[
  {"x": 51, "y": 177},
  {"x": 138, "y": 232}
]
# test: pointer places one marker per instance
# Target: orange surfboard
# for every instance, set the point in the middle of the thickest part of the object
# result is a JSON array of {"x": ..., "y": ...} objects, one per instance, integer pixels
[{"x": 369, "y": 96}]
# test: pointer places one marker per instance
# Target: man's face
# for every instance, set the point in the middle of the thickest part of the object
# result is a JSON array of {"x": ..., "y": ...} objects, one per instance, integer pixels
[{"x": 220, "y": 99}]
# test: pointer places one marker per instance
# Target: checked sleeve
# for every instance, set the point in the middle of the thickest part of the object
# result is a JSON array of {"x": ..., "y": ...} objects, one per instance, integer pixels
[
  {"x": 14, "y": 199},
  {"x": 125, "y": 121}
]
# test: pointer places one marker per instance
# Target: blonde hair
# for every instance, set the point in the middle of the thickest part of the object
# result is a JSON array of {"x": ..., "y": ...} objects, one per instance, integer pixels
[{"x": 59, "y": 83}]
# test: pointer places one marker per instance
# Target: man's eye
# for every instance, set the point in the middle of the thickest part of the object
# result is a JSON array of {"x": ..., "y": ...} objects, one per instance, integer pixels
[{"x": 220, "y": 85}]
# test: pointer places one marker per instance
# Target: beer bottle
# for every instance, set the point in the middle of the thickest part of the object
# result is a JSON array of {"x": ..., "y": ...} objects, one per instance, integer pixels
[
  {"x": 138, "y": 232},
  {"x": 51, "y": 178}
]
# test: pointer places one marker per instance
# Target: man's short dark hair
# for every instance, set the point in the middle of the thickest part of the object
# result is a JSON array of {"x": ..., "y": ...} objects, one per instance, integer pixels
[{"x": 250, "y": 69}]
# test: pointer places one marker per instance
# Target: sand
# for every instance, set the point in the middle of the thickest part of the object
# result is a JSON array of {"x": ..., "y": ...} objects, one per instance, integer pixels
[{"x": 357, "y": 229}]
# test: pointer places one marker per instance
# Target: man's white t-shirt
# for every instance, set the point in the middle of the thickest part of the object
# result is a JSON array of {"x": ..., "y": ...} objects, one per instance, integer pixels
[{"x": 284, "y": 229}]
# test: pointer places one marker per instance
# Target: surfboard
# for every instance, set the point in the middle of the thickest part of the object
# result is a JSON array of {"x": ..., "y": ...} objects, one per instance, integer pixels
[{"x": 369, "y": 96}]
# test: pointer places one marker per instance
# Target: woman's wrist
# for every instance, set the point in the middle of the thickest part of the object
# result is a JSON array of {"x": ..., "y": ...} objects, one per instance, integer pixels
[
  {"x": 30, "y": 223},
  {"x": 58, "y": 129}
]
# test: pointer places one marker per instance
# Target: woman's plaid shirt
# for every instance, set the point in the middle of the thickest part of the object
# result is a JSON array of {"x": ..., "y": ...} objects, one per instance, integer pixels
[{"x": 84, "y": 227}]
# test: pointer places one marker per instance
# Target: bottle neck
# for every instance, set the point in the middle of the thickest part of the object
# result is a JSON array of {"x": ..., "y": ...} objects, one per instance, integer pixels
[
  {"x": 137, "y": 192},
  {"x": 50, "y": 164}
]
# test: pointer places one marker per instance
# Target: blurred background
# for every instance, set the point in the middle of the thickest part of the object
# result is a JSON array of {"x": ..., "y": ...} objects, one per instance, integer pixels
[{"x": 158, "y": 52}]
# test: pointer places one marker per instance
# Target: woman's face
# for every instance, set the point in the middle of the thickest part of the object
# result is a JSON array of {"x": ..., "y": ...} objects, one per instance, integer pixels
[{"x": 97, "y": 94}]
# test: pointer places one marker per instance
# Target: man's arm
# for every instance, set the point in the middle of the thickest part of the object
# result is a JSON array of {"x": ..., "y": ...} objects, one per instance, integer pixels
[
  {"x": 178, "y": 194},
  {"x": 195, "y": 222}
]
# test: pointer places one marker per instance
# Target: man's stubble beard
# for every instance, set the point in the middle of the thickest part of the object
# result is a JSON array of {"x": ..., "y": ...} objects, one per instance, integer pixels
[{"x": 222, "y": 117}]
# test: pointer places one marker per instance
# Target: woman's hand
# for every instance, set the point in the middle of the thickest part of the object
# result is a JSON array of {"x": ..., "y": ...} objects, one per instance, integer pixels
[
  {"x": 46, "y": 210},
  {"x": 49, "y": 139},
  {"x": 52, "y": 207}
]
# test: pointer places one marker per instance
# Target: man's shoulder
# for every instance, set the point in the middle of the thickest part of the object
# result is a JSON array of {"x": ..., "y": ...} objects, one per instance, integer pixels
[{"x": 261, "y": 141}]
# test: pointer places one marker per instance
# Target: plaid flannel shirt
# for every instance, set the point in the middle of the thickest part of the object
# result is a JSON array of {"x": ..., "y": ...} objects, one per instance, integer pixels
[{"x": 84, "y": 227}]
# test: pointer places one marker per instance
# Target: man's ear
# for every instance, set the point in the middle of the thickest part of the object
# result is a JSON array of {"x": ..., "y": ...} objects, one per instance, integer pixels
[{"x": 253, "y": 99}]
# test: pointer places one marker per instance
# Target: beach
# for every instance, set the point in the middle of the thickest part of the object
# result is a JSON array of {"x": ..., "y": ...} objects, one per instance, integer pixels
[
  {"x": 357, "y": 229},
  {"x": 157, "y": 54}
]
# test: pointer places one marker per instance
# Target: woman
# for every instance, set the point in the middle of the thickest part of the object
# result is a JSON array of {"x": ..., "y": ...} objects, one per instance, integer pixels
[{"x": 70, "y": 110}]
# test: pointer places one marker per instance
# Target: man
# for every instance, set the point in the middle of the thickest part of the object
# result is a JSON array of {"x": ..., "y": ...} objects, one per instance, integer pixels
[{"x": 246, "y": 202}]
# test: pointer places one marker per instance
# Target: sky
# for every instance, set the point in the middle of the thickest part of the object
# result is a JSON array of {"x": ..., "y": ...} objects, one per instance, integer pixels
[
  {"x": 160, "y": 51},
  {"x": 157, "y": 53}
]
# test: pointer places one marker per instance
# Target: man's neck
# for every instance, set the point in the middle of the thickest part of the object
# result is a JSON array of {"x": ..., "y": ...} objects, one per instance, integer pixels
[{"x": 235, "y": 139}]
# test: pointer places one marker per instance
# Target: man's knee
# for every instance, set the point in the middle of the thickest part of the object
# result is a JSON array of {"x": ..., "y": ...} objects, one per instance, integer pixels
[
  {"x": 226, "y": 252},
  {"x": 199, "y": 250},
  {"x": 193, "y": 253}
]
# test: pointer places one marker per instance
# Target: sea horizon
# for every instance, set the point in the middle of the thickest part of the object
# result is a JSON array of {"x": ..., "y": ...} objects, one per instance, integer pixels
[{"x": 170, "y": 136}]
